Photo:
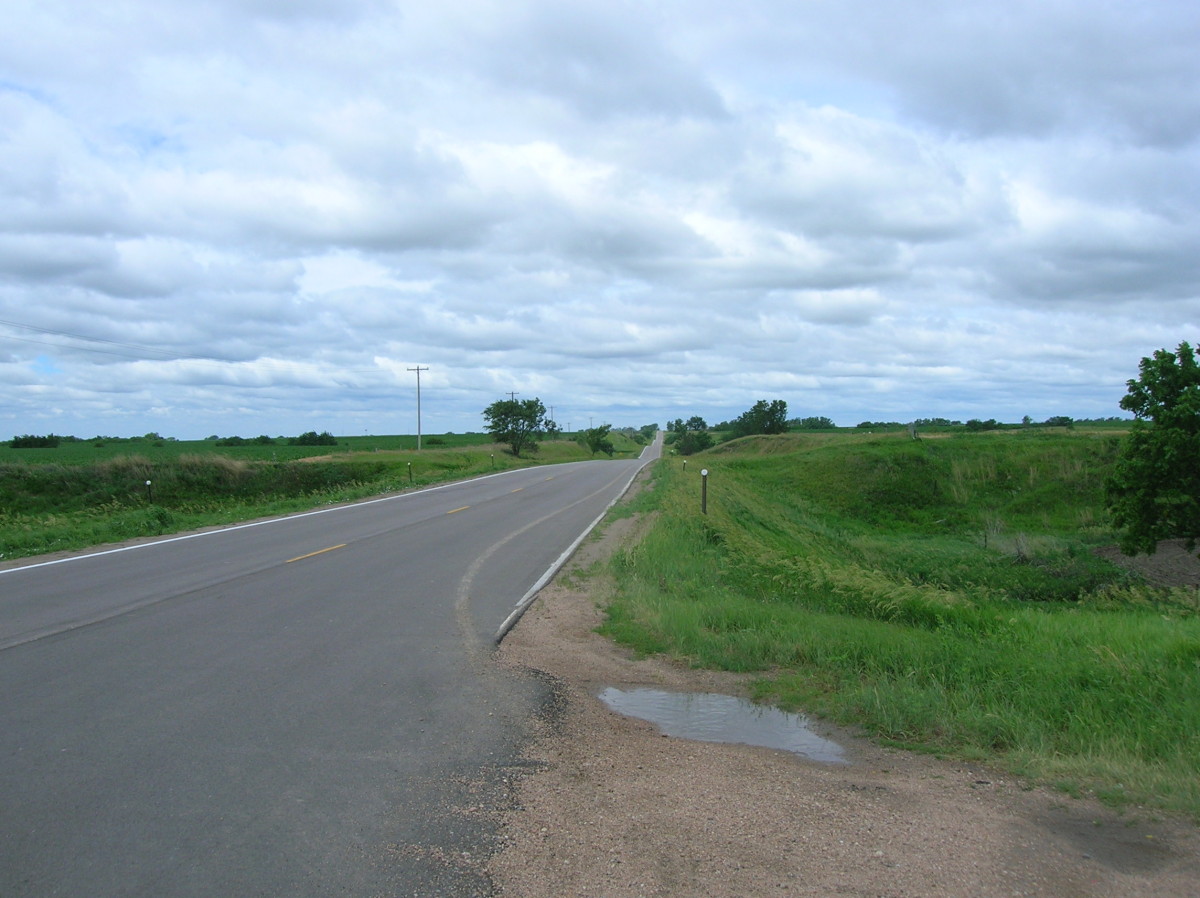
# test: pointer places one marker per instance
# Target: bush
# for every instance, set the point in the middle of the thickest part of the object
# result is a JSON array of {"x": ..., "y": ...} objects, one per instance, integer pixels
[
  {"x": 312, "y": 438},
  {"x": 693, "y": 441},
  {"x": 29, "y": 441}
]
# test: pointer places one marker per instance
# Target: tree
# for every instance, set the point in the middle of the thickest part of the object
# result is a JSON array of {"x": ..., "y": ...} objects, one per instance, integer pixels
[
  {"x": 32, "y": 441},
  {"x": 596, "y": 439},
  {"x": 814, "y": 422},
  {"x": 312, "y": 438},
  {"x": 518, "y": 422},
  {"x": 976, "y": 425},
  {"x": 695, "y": 423},
  {"x": 694, "y": 441},
  {"x": 1154, "y": 490},
  {"x": 762, "y": 417}
]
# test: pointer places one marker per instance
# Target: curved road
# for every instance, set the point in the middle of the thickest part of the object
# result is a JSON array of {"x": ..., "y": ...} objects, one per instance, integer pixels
[{"x": 304, "y": 706}]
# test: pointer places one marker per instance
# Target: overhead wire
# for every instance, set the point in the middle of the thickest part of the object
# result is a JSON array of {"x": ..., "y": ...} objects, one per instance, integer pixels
[{"x": 143, "y": 353}]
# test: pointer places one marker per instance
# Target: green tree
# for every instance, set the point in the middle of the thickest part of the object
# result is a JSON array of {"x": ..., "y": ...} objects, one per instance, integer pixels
[
  {"x": 975, "y": 424},
  {"x": 814, "y": 422},
  {"x": 694, "y": 441},
  {"x": 695, "y": 423},
  {"x": 762, "y": 417},
  {"x": 312, "y": 438},
  {"x": 596, "y": 439},
  {"x": 1154, "y": 490},
  {"x": 32, "y": 441},
  {"x": 518, "y": 422}
]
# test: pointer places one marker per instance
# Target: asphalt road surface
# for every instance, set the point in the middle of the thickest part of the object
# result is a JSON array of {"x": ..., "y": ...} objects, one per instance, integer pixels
[{"x": 301, "y": 707}]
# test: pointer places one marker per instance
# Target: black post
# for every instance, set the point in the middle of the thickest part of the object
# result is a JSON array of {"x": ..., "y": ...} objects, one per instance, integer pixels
[{"x": 704, "y": 491}]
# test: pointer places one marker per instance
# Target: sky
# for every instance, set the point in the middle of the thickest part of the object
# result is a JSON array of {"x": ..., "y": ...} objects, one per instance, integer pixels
[{"x": 246, "y": 217}]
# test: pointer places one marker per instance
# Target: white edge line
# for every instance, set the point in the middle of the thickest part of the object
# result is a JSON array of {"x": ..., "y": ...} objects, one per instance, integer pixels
[
  {"x": 278, "y": 520},
  {"x": 527, "y": 599}
]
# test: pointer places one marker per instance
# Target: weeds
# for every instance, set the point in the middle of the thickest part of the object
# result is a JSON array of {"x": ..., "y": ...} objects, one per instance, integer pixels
[
  {"x": 56, "y": 506},
  {"x": 853, "y": 577}
]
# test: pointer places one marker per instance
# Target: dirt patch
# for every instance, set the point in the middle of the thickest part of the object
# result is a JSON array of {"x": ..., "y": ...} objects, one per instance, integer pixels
[
  {"x": 619, "y": 810},
  {"x": 1172, "y": 565}
]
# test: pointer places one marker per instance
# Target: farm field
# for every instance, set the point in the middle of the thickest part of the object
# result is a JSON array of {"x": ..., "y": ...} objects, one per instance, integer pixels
[
  {"x": 81, "y": 494},
  {"x": 947, "y": 595}
]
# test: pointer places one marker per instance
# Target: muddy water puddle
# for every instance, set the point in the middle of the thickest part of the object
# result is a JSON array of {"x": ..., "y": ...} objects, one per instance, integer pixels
[{"x": 709, "y": 717}]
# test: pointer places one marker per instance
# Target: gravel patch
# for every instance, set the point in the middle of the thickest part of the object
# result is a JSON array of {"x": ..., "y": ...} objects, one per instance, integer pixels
[{"x": 616, "y": 809}]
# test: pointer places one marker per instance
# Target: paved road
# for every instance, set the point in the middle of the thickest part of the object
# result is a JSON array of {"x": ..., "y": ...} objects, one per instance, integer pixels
[{"x": 301, "y": 707}]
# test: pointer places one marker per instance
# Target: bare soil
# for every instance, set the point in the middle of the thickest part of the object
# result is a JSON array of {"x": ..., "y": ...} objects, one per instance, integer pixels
[
  {"x": 616, "y": 809},
  {"x": 1173, "y": 564}
]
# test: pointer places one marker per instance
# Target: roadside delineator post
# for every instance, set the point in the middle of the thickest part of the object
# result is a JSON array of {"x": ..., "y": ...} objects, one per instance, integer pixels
[
  {"x": 149, "y": 492},
  {"x": 704, "y": 491},
  {"x": 410, "y": 472}
]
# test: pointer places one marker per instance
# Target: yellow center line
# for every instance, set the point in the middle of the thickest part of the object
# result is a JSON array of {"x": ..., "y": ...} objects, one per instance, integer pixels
[
  {"x": 457, "y": 510},
  {"x": 318, "y": 552},
  {"x": 518, "y": 489}
]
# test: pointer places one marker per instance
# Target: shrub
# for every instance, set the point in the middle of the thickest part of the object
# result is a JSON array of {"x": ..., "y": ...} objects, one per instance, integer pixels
[{"x": 29, "y": 441}]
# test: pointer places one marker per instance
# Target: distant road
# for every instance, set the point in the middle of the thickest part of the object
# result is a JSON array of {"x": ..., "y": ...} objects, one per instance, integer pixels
[{"x": 301, "y": 707}]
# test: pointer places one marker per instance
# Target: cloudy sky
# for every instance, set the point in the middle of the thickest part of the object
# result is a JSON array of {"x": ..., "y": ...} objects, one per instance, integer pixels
[{"x": 257, "y": 216}]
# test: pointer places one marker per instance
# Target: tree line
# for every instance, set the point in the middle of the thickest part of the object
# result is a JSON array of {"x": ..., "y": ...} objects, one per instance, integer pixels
[{"x": 523, "y": 423}]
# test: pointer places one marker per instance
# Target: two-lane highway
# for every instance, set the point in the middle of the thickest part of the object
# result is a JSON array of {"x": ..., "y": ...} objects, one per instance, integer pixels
[{"x": 303, "y": 706}]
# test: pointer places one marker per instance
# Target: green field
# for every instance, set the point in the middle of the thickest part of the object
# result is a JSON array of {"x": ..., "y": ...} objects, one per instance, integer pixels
[
  {"x": 86, "y": 493},
  {"x": 941, "y": 593},
  {"x": 82, "y": 452}
]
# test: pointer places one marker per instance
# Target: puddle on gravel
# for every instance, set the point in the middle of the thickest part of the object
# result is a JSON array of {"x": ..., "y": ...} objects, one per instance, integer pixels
[{"x": 709, "y": 717}]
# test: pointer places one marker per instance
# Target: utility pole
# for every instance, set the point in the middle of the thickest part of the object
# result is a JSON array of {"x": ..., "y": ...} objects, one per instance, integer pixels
[
  {"x": 418, "y": 369},
  {"x": 512, "y": 397}
]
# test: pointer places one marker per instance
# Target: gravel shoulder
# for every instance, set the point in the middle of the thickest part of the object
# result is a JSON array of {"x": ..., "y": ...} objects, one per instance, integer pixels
[{"x": 616, "y": 809}]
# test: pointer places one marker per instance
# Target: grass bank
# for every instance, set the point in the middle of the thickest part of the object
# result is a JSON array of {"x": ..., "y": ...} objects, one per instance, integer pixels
[
  {"x": 942, "y": 594},
  {"x": 67, "y": 498}
]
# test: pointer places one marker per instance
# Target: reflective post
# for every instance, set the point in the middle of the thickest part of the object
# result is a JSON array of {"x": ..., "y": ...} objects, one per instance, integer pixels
[{"x": 704, "y": 491}]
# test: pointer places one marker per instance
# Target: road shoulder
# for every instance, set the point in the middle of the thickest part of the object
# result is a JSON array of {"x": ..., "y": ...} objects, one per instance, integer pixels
[{"x": 617, "y": 809}]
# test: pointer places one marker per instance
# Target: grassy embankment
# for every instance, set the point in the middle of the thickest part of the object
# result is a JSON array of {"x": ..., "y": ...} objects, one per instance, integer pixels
[
  {"x": 82, "y": 494},
  {"x": 942, "y": 594}
]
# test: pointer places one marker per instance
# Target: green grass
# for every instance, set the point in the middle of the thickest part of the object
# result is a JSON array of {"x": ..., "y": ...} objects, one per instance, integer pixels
[
  {"x": 81, "y": 495},
  {"x": 941, "y": 594}
]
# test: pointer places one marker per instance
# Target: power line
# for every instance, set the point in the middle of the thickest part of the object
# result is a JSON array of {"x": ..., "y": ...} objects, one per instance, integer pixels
[
  {"x": 142, "y": 353},
  {"x": 166, "y": 354}
]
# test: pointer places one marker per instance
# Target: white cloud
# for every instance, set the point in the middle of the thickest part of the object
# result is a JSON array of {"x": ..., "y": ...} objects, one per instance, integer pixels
[{"x": 241, "y": 217}]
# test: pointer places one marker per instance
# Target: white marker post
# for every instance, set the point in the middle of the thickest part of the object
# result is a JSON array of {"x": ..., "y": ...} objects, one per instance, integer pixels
[{"x": 704, "y": 491}]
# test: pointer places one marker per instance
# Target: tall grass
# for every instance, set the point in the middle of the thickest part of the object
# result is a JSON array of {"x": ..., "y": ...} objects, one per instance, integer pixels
[{"x": 860, "y": 579}]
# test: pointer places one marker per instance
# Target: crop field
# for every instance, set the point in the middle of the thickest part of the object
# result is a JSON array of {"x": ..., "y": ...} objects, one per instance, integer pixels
[
  {"x": 81, "y": 494},
  {"x": 943, "y": 594},
  {"x": 83, "y": 452}
]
